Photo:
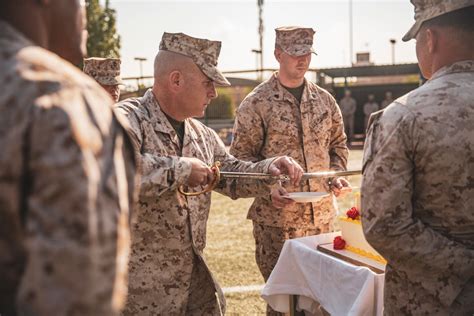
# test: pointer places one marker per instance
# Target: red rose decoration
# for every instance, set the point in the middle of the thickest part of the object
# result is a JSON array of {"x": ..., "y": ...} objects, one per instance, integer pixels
[
  {"x": 353, "y": 213},
  {"x": 339, "y": 243}
]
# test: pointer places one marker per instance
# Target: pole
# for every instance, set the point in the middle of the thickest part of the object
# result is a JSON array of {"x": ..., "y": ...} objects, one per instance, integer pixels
[
  {"x": 260, "y": 33},
  {"x": 351, "y": 42},
  {"x": 258, "y": 54},
  {"x": 393, "y": 41}
]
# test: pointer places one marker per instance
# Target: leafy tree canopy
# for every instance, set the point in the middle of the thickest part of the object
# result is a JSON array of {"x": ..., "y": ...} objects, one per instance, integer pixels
[{"x": 103, "y": 40}]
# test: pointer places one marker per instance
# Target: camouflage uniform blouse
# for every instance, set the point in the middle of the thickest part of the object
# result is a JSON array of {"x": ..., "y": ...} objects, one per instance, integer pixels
[
  {"x": 66, "y": 183},
  {"x": 270, "y": 123},
  {"x": 171, "y": 229},
  {"x": 418, "y": 195}
]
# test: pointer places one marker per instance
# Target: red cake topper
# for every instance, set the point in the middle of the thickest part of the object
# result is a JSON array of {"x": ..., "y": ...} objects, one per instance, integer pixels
[
  {"x": 353, "y": 213},
  {"x": 339, "y": 243}
]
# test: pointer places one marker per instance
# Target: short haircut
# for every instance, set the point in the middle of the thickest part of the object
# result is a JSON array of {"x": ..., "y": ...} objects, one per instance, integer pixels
[{"x": 462, "y": 19}]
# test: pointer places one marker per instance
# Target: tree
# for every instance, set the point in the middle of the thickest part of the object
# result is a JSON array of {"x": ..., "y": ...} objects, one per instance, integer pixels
[{"x": 103, "y": 40}]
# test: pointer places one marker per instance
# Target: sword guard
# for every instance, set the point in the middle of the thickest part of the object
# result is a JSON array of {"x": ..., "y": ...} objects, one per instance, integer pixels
[{"x": 211, "y": 186}]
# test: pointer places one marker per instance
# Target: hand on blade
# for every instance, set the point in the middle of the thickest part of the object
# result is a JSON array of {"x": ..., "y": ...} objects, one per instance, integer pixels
[
  {"x": 280, "y": 197},
  {"x": 339, "y": 186},
  {"x": 287, "y": 165}
]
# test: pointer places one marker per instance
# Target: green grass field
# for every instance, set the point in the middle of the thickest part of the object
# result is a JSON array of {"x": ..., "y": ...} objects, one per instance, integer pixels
[{"x": 230, "y": 247}]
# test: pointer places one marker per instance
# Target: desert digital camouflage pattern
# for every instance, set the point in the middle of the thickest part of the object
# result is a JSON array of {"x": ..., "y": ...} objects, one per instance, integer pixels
[
  {"x": 168, "y": 273},
  {"x": 66, "y": 187},
  {"x": 105, "y": 71},
  {"x": 270, "y": 123},
  {"x": 294, "y": 40},
  {"x": 428, "y": 9},
  {"x": 203, "y": 52},
  {"x": 418, "y": 195}
]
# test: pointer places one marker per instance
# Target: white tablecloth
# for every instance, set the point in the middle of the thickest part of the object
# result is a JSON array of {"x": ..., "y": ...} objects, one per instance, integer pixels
[{"x": 340, "y": 287}]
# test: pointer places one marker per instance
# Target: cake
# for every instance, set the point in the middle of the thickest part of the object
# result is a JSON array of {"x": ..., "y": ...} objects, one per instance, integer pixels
[{"x": 352, "y": 236}]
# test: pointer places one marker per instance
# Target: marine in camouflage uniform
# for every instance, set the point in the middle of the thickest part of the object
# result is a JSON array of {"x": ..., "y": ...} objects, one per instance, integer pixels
[
  {"x": 270, "y": 121},
  {"x": 106, "y": 71},
  {"x": 168, "y": 272},
  {"x": 66, "y": 182},
  {"x": 418, "y": 173}
]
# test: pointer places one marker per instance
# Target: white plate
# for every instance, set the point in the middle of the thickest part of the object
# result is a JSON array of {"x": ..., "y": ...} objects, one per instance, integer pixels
[{"x": 306, "y": 197}]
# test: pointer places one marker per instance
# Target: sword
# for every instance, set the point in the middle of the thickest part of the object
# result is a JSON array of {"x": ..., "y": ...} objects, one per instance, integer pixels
[
  {"x": 265, "y": 176},
  {"x": 306, "y": 176}
]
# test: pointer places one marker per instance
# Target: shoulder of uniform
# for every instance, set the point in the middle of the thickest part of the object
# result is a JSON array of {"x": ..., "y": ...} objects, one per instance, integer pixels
[
  {"x": 261, "y": 94},
  {"x": 263, "y": 91},
  {"x": 132, "y": 106},
  {"x": 322, "y": 91},
  {"x": 398, "y": 111},
  {"x": 47, "y": 81},
  {"x": 375, "y": 117},
  {"x": 39, "y": 66}
]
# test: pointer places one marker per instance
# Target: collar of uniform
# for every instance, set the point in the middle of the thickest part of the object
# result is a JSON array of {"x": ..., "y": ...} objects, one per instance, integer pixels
[
  {"x": 280, "y": 93},
  {"x": 460, "y": 66},
  {"x": 7, "y": 31},
  {"x": 160, "y": 121}
]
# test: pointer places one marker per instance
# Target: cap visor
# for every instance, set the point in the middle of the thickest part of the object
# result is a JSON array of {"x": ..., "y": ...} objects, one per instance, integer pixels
[
  {"x": 299, "y": 51},
  {"x": 412, "y": 31},
  {"x": 110, "y": 81},
  {"x": 216, "y": 76}
]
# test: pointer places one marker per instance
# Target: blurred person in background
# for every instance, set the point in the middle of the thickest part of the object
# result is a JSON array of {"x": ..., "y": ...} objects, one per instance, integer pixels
[
  {"x": 106, "y": 71},
  {"x": 388, "y": 100},
  {"x": 369, "y": 107},
  {"x": 348, "y": 107}
]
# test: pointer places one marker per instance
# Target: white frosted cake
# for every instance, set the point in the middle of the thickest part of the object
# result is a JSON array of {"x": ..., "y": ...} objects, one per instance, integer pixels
[{"x": 353, "y": 239}]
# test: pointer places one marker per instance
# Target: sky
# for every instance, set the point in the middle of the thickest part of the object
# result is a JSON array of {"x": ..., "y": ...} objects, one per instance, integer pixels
[{"x": 141, "y": 24}]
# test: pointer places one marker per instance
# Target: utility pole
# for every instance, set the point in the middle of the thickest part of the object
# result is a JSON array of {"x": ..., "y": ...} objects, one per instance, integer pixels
[
  {"x": 351, "y": 43},
  {"x": 260, "y": 33},
  {"x": 393, "y": 41}
]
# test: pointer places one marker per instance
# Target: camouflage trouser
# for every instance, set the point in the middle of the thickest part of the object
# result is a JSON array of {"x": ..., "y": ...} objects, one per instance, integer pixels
[
  {"x": 269, "y": 242},
  {"x": 403, "y": 297},
  {"x": 203, "y": 299}
]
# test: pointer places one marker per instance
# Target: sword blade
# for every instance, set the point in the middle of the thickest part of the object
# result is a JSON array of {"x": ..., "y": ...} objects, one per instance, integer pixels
[
  {"x": 330, "y": 174},
  {"x": 250, "y": 175},
  {"x": 306, "y": 176}
]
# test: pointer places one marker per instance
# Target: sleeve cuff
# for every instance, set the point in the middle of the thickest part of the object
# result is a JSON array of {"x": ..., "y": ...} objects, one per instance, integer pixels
[{"x": 182, "y": 170}]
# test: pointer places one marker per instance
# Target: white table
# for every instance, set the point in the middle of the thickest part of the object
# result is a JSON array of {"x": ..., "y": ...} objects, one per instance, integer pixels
[{"x": 317, "y": 278}]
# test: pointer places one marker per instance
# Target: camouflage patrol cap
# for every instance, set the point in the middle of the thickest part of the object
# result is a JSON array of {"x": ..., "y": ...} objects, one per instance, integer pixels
[
  {"x": 294, "y": 40},
  {"x": 428, "y": 9},
  {"x": 105, "y": 71},
  {"x": 203, "y": 52}
]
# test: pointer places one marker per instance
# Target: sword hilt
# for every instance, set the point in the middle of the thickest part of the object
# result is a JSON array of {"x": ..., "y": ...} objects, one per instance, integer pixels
[{"x": 211, "y": 186}]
